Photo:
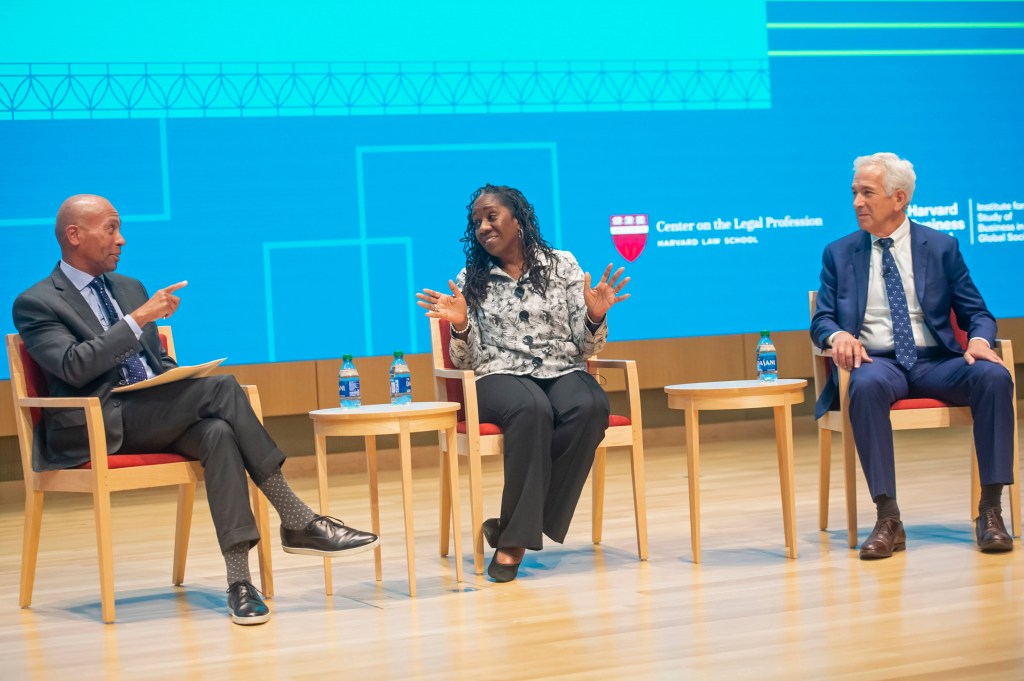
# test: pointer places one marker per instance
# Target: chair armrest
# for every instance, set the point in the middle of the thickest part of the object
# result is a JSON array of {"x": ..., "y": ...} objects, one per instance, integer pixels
[
  {"x": 1005, "y": 348},
  {"x": 820, "y": 352},
  {"x": 95, "y": 428},
  {"x": 599, "y": 363},
  {"x": 459, "y": 374},
  {"x": 628, "y": 366},
  {"x": 59, "y": 402}
]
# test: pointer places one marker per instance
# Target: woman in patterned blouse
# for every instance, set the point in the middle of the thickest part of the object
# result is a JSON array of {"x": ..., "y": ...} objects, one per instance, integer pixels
[{"x": 525, "y": 318}]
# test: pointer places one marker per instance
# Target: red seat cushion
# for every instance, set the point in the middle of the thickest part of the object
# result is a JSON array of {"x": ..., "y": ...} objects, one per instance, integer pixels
[
  {"x": 133, "y": 460},
  {"x": 493, "y": 429},
  {"x": 920, "y": 403}
]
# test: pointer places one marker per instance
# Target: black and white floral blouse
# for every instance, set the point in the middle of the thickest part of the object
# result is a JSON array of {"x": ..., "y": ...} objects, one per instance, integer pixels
[{"x": 518, "y": 331}]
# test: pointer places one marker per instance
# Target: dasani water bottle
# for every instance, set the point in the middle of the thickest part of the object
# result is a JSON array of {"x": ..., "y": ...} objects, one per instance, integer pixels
[
  {"x": 401, "y": 382},
  {"x": 767, "y": 369},
  {"x": 348, "y": 384}
]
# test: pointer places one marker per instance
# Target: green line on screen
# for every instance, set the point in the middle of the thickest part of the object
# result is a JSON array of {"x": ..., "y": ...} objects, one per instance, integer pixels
[
  {"x": 899, "y": 25},
  {"x": 897, "y": 53}
]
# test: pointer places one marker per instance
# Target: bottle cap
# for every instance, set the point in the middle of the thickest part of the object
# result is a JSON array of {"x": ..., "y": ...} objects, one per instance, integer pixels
[
  {"x": 346, "y": 358},
  {"x": 399, "y": 353},
  {"x": 765, "y": 333}
]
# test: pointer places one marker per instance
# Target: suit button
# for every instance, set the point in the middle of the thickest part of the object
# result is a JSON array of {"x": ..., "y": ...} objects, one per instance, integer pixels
[
  {"x": 122, "y": 382},
  {"x": 537, "y": 361},
  {"x": 528, "y": 340},
  {"x": 116, "y": 403}
]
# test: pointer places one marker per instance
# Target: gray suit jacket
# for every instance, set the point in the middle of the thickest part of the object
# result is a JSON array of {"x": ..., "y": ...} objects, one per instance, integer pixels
[{"x": 80, "y": 359}]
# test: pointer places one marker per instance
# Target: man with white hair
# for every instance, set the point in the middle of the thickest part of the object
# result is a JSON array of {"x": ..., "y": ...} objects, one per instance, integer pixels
[{"x": 884, "y": 308}]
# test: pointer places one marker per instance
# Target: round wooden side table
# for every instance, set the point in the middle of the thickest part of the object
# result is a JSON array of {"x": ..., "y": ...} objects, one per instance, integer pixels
[
  {"x": 372, "y": 420},
  {"x": 780, "y": 395}
]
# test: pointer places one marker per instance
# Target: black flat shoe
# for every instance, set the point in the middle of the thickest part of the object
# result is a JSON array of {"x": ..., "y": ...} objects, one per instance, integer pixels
[
  {"x": 245, "y": 605},
  {"x": 500, "y": 572},
  {"x": 491, "y": 532},
  {"x": 326, "y": 536}
]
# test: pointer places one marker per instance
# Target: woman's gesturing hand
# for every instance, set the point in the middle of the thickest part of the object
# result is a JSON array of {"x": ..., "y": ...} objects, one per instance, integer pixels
[
  {"x": 451, "y": 308},
  {"x": 605, "y": 294}
]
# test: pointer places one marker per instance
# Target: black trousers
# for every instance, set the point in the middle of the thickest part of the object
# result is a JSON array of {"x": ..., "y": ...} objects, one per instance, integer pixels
[
  {"x": 208, "y": 419},
  {"x": 552, "y": 428}
]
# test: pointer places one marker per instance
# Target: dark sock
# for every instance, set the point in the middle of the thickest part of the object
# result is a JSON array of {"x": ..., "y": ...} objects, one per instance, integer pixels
[
  {"x": 237, "y": 560},
  {"x": 295, "y": 515},
  {"x": 887, "y": 507},
  {"x": 991, "y": 496}
]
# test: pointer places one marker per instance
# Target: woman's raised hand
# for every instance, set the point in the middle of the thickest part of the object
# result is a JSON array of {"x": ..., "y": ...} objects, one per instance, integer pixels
[
  {"x": 605, "y": 294},
  {"x": 451, "y": 308}
]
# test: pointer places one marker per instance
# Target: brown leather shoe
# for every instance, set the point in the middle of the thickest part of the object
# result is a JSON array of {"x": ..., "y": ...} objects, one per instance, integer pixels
[
  {"x": 888, "y": 536},
  {"x": 991, "y": 533}
]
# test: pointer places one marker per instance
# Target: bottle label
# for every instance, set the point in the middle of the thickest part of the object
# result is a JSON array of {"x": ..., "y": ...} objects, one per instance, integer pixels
[
  {"x": 348, "y": 387},
  {"x": 401, "y": 385},
  {"x": 766, "y": 362}
]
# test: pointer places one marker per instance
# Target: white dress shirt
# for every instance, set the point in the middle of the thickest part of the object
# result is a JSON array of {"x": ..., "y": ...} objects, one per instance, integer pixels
[
  {"x": 876, "y": 332},
  {"x": 81, "y": 281}
]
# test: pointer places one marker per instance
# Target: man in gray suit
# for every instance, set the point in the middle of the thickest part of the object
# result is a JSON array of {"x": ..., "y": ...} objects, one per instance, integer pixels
[{"x": 92, "y": 330}]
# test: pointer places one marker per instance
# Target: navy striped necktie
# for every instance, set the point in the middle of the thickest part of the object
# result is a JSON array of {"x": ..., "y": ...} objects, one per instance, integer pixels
[
  {"x": 902, "y": 333},
  {"x": 132, "y": 368}
]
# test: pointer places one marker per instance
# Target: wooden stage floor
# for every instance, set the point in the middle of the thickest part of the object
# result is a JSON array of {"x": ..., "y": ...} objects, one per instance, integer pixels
[{"x": 942, "y": 610}]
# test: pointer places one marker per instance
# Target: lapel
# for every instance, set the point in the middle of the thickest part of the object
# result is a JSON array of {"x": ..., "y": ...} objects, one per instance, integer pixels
[
  {"x": 919, "y": 257},
  {"x": 67, "y": 291},
  {"x": 860, "y": 260}
]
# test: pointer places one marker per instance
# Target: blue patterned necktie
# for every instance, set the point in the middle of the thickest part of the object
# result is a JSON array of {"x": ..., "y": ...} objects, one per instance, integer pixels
[
  {"x": 133, "y": 369},
  {"x": 902, "y": 333}
]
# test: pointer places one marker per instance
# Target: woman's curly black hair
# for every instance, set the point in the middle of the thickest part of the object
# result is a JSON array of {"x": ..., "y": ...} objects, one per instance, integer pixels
[{"x": 478, "y": 261}]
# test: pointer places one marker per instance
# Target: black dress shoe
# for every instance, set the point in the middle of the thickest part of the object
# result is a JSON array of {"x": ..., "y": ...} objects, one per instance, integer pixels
[
  {"x": 491, "y": 531},
  {"x": 888, "y": 536},
  {"x": 326, "y": 536},
  {"x": 991, "y": 533},
  {"x": 500, "y": 572},
  {"x": 245, "y": 604}
]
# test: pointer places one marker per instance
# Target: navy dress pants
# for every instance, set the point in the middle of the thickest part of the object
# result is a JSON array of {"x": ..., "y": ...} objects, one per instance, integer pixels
[{"x": 984, "y": 386}]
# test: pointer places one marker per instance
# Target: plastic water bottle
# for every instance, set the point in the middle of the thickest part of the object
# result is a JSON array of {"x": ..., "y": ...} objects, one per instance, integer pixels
[
  {"x": 767, "y": 368},
  {"x": 348, "y": 384},
  {"x": 401, "y": 381}
]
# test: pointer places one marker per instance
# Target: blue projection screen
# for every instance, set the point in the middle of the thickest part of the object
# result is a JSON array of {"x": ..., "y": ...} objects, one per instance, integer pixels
[{"x": 306, "y": 165}]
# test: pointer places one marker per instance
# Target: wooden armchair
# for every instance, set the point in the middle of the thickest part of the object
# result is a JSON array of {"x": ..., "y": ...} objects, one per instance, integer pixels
[
  {"x": 104, "y": 474},
  {"x": 905, "y": 415},
  {"x": 476, "y": 440}
]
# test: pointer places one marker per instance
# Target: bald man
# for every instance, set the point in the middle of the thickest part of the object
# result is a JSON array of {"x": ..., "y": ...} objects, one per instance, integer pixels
[{"x": 92, "y": 330}]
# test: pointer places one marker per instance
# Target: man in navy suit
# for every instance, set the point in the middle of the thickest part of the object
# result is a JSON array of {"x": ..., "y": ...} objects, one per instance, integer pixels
[{"x": 884, "y": 309}]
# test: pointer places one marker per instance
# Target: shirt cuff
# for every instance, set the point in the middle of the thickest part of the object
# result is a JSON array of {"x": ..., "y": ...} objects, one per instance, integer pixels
[
  {"x": 832, "y": 337},
  {"x": 134, "y": 327}
]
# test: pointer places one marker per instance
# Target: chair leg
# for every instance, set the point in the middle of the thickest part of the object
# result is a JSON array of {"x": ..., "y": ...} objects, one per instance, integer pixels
[
  {"x": 105, "y": 551},
  {"x": 636, "y": 460},
  {"x": 476, "y": 509},
  {"x": 824, "y": 475},
  {"x": 261, "y": 511},
  {"x": 850, "y": 481},
  {"x": 600, "y": 459},
  {"x": 445, "y": 521},
  {"x": 186, "y": 501},
  {"x": 30, "y": 545},
  {"x": 972, "y": 512}
]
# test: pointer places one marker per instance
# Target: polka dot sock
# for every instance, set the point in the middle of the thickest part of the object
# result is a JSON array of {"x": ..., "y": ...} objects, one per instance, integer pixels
[
  {"x": 295, "y": 515},
  {"x": 237, "y": 560}
]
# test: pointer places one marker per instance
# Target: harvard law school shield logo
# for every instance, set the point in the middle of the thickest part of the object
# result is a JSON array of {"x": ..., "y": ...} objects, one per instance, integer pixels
[{"x": 629, "y": 234}]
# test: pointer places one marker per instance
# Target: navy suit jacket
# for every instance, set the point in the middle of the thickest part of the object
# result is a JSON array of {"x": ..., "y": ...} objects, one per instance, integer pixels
[
  {"x": 80, "y": 359},
  {"x": 941, "y": 280}
]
